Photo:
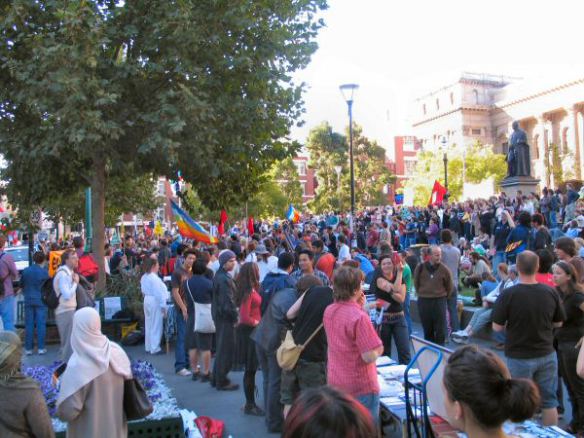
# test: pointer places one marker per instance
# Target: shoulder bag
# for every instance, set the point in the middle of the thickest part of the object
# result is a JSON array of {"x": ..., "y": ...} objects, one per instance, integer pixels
[
  {"x": 203, "y": 318},
  {"x": 289, "y": 352},
  {"x": 580, "y": 361},
  {"x": 84, "y": 294},
  {"x": 137, "y": 405}
]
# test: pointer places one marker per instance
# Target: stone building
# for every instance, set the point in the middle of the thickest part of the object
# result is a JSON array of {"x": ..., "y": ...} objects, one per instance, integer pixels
[{"x": 482, "y": 107}]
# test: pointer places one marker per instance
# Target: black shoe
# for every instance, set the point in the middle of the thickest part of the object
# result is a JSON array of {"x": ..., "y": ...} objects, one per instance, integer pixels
[
  {"x": 228, "y": 387},
  {"x": 195, "y": 377},
  {"x": 253, "y": 410},
  {"x": 206, "y": 377}
]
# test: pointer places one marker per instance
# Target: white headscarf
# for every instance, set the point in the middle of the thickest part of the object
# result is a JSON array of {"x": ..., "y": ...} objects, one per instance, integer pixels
[{"x": 92, "y": 355}]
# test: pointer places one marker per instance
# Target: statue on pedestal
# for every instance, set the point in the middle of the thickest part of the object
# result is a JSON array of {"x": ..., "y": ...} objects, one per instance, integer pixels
[{"x": 518, "y": 161}]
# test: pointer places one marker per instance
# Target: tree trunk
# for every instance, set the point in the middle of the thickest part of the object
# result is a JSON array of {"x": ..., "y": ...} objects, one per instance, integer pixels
[{"x": 98, "y": 217}]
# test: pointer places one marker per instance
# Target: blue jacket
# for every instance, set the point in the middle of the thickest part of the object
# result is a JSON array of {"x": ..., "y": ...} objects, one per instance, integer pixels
[
  {"x": 273, "y": 282},
  {"x": 32, "y": 279}
]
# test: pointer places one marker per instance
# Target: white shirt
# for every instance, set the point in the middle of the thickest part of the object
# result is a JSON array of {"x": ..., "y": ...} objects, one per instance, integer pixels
[
  {"x": 153, "y": 286},
  {"x": 65, "y": 288},
  {"x": 267, "y": 267},
  {"x": 251, "y": 257},
  {"x": 344, "y": 253}
]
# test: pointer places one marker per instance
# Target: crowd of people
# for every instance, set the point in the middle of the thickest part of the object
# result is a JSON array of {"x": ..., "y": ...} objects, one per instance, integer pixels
[{"x": 238, "y": 298}]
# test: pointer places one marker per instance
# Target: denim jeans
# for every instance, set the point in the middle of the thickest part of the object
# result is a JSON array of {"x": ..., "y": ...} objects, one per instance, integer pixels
[
  {"x": 499, "y": 257},
  {"x": 543, "y": 371},
  {"x": 481, "y": 318},
  {"x": 272, "y": 374},
  {"x": 397, "y": 329},
  {"x": 452, "y": 306},
  {"x": 7, "y": 312},
  {"x": 371, "y": 402},
  {"x": 181, "y": 358},
  {"x": 411, "y": 240},
  {"x": 553, "y": 219},
  {"x": 35, "y": 315},
  {"x": 406, "y": 306}
]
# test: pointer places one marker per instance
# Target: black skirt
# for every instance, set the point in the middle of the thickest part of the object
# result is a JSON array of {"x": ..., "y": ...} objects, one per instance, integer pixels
[
  {"x": 246, "y": 353},
  {"x": 195, "y": 340}
]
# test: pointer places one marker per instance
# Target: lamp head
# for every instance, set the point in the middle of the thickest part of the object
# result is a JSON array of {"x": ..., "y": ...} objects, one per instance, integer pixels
[{"x": 348, "y": 91}]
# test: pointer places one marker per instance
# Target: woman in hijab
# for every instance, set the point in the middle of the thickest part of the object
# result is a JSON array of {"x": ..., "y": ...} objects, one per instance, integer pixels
[
  {"x": 23, "y": 410},
  {"x": 91, "y": 399}
]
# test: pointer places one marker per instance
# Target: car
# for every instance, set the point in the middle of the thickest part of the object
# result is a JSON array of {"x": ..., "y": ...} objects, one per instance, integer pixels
[{"x": 20, "y": 256}]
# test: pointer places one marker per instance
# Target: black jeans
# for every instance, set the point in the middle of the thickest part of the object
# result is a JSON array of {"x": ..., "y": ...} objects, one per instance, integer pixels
[
  {"x": 452, "y": 303},
  {"x": 272, "y": 374},
  {"x": 433, "y": 317},
  {"x": 224, "y": 351},
  {"x": 568, "y": 356},
  {"x": 397, "y": 329}
]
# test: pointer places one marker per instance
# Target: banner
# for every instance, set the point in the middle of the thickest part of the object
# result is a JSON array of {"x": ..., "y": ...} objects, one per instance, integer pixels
[{"x": 54, "y": 262}]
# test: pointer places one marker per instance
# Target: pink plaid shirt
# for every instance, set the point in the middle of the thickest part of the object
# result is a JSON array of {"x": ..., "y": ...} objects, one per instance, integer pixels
[{"x": 349, "y": 334}]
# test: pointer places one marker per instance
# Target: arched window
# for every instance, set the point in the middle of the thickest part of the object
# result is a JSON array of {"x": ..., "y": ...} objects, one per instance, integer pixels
[{"x": 475, "y": 94}]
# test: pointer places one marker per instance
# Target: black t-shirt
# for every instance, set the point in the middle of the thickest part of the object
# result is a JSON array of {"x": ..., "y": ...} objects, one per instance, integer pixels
[
  {"x": 394, "y": 306},
  {"x": 176, "y": 281},
  {"x": 309, "y": 318},
  {"x": 530, "y": 310},
  {"x": 573, "y": 328},
  {"x": 201, "y": 289}
]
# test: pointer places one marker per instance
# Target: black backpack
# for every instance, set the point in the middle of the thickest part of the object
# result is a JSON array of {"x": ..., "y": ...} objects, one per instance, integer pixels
[{"x": 49, "y": 295}]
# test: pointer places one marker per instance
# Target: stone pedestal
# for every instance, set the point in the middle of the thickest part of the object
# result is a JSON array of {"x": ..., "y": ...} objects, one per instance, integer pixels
[{"x": 527, "y": 184}]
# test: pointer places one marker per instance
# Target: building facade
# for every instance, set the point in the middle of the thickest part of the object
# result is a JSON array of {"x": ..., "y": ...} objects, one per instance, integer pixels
[
  {"x": 307, "y": 178},
  {"x": 482, "y": 107}
]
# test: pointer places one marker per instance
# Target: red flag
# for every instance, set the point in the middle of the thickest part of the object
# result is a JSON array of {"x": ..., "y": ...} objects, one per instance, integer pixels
[
  {"x": 250, "y": 228},
  {"x": 438, "y": 192},
  {"x": 222, "y": 220}
]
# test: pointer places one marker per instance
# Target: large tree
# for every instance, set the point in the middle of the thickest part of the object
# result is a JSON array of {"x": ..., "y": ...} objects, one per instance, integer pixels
[
  {"x": 328, "y": 150},
  {"x": 91, "y": 89},
  {"x": 479, "y": 162}
]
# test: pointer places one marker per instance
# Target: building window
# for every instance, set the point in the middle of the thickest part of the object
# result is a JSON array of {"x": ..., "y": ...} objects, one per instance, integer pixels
[
  {"x": 303, "y": 189},
  {"x": 410, "y": 167},
  {"x": 424, "y": 108},
  {"x": 301, "y": 166},
  {"x": 475, "y": 93},
  {"x": 476, "y": 131},
  {"x": 437, "y": 104},
  {"x": 161, "y": 188},
  {"x": 451, "y": 98}
]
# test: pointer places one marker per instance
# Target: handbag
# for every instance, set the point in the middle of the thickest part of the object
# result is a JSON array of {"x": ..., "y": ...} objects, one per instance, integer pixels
[
  {"x": 137, "y": 405},
  {"x": 580, "y": 361},
  {"x": 210, "y": 427},
  {"x": 203, "y": 318},
  {"x": 289, "y": 352}
]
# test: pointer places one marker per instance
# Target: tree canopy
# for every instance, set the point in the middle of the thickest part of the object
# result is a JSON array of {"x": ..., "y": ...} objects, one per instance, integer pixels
[
  {"x": 328, "y": 150},
  {"x": 479, "y": 163},
  {"x": 94, "y": 89}
]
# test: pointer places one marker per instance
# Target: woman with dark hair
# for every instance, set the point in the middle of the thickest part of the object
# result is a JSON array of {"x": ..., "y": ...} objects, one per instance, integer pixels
[
  {"x": 568, "y": 336},
  {"x": 249, "y": 301},
  {"x": 544, "y": 274},
  {"x": 480, "y": 395},
  {"x": 198, "y": 340},
  {"x": 389, "y": 286},
  {"x": 326, "y": 412},
  {"x": 520, "y": 237}
]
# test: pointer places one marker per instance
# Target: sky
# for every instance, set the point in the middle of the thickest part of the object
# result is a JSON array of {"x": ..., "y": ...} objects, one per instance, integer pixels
[{"x": 397, "y": 50}]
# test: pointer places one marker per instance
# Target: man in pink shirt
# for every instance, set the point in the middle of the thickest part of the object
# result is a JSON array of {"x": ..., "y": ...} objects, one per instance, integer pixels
[{"x": 353, "y": 344}]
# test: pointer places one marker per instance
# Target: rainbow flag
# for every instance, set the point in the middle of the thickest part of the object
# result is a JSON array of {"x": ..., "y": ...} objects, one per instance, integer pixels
[
  {"x": 292, "y": 214},
  {"x": 189, "y": 228}
]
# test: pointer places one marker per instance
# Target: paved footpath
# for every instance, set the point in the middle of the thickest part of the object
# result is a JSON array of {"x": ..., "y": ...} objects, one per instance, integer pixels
[{"x": 225, "y": 405}]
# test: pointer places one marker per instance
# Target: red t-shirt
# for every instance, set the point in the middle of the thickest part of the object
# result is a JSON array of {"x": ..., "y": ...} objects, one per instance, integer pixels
[
  {"x": 249, "y": 311},
  {"x": 349, "y": 334},
  {"x": 326, "y": 264},
  {"x": 545, "y": 279}
]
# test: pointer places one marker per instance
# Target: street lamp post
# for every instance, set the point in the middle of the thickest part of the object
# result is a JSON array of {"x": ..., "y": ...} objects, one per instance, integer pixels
[
  {"x": 445, "y": 160},
  {"x": 348, "y": 90}
]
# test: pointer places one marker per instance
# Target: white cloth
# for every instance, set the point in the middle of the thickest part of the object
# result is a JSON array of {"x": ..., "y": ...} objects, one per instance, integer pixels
[
  {"x": 93, "y": 354},
  {"x": 152, "y": 286},
  {"x": 267, "y": 267},
  {"x": 344, "y": 253},
  {"x": 65, "y": 287},
  {"x": 153, "y": 322},
  {"x": 251, "y": 257}
]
